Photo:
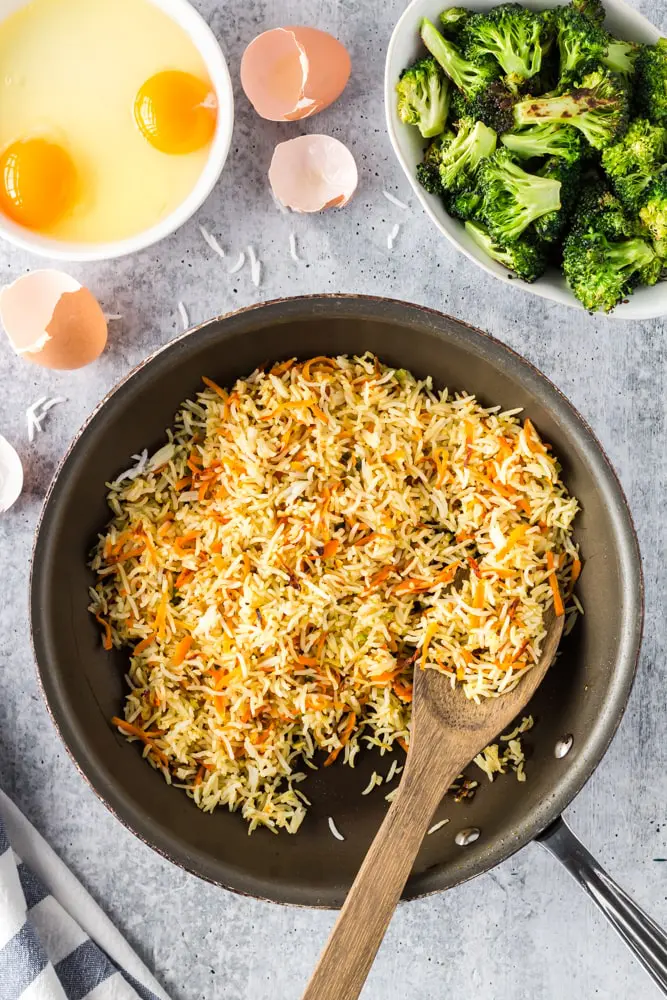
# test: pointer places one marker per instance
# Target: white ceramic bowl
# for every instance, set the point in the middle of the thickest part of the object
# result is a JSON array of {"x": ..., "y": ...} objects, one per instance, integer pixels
[
  {"x": 184, "y": 14},
  {"x": 404, "y": 47}
]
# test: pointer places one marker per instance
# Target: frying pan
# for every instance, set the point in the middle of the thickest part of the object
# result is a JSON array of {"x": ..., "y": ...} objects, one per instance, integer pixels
[{"x": 577, "y": 708}]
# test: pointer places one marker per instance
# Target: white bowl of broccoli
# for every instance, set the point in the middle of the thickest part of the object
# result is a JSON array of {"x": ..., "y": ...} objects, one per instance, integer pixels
[{"x": 537, "y": 143}]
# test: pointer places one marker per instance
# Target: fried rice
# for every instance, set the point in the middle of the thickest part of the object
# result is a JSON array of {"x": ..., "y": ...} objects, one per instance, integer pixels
[{"x": 298, "y": 547}]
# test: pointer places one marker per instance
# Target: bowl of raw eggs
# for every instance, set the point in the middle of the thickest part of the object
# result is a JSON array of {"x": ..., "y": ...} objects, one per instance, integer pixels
[{"x": 116, "y": 118}]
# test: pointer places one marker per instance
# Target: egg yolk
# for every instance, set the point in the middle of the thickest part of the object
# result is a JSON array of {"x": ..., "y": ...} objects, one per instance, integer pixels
[
  {"x": 37, "y": 183},
  {"x": 176, "y": 112}
]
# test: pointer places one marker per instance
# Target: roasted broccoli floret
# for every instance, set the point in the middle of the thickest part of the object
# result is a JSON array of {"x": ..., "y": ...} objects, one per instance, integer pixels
[
  {"x": 654, "y": 214},
  {"x": 423, "y": 97},
  {"x": 450, "y": 162},
  {"x": 651, "y": 82},
  {"x": 549, "y": 139},
  {"x": 527, "y": 257},
  {"x": 471, "y": 78},
  {"x": 461, "y": 155},
  {"x": 486, "y": 97},
  {"x": 581, "y": 42},
  {"x": 599, "y": 210},
  {"x": 631, "y": 164},
  {"x": 622, "y": 57},
  {"x": 597, "y": 106},
  {"x": 601, "y": 273},
  {"x": 428, "y": 171},
  {"x": 452, "y": 20},
  {"x": 513, "y": 35},
  {"x": 465, "y": 205},
  {"x": 512, "y": 198},
  {"x": 592, "y": 9},
  {"x": 550, "y": 227}
]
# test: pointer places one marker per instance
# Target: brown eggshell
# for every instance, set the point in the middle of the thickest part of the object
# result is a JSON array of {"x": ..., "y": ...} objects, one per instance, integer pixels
[
  {"x": 312, "y": 173},
  {"x": 53, "y": 320},
  {"x": 292, "y": 73},
  {"x": 329, "y": 66}
]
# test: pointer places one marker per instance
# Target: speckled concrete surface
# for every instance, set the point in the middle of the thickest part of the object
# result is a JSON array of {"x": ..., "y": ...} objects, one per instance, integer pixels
[{"x": 523, "y": 931}]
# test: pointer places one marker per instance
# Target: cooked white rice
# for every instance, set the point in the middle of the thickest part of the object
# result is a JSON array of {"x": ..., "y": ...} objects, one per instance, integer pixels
[{"x": 284, "y": 561}]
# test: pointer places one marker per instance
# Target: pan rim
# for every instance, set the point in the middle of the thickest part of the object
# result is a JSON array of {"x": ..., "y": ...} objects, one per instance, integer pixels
[{"x": 622, "y": 678}]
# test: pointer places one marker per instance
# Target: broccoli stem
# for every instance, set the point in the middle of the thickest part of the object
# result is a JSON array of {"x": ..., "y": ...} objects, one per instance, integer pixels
[{"x": 455, "y": 66}]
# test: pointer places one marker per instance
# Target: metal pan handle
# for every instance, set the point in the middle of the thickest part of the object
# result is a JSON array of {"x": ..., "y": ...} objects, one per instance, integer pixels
[{"x": 640, "y": 933}]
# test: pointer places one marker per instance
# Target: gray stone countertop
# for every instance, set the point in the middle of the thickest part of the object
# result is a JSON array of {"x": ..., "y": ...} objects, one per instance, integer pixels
[{"x": 523, "y": 931}]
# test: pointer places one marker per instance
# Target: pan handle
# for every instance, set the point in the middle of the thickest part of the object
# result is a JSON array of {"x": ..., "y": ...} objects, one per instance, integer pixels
[{"x": 640, "y": 933}]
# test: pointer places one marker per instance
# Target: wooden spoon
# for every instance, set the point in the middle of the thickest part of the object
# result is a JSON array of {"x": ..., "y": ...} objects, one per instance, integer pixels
[{"x": 447, "y": 731}]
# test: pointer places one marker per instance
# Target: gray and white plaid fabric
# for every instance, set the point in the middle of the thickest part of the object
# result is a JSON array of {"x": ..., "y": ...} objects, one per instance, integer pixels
[{"x": 55, "y": 941}]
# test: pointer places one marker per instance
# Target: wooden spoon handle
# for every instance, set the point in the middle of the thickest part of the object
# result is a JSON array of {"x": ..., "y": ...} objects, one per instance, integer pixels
[{"x": 349, "y": 953}]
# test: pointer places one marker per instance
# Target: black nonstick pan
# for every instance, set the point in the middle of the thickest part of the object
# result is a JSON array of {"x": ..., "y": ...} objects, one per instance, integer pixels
[{"x": 577, "y": 709}]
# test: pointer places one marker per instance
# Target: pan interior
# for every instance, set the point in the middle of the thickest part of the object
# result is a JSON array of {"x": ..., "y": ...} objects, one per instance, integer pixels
[{"x": 584, "y": 693}]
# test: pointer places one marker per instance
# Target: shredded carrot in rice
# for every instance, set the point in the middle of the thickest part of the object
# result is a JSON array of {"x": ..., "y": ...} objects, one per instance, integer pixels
[
  {"x": 553, "y": 582},
  {"x": 310, "y": 535}
]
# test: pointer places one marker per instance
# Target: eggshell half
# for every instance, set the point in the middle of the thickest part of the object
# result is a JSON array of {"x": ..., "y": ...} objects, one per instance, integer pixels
[
  {"x": 313, "y": 172},
  {"x": 292, "y": 73},
  {"x": 51, "y": 319},
  {"x": 11, "y": 475}
]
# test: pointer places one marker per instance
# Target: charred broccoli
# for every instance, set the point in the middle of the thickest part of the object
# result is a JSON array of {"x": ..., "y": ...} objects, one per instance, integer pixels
[
  {"x": 423, "y": 97},
  {"x": 527, "y": 257},
  {"x": 513, "y": 35},
  {"x": 452, "y": 20},
  {"x": 651, "y": 82},
  {"x": 582, "y": 43},
  {"x": 465, "y": 205},
  {"x": 592, "y": 9},
  {"x": 550, "y": 227},
  {"x": 487, "y": 98},
  {"x": 601, "y": 273},
  {"x": 456, "y": 156},
  {"x": 599, "y": 210},
  {"x": 428, "y": 171},
  {"x": 513, "y": 198},
  {"x": 597, "y": 106},
  {"x": 548, "y": 139},
  {"x": 631, "y": 164},
  {"x": 654, "y": 214}
]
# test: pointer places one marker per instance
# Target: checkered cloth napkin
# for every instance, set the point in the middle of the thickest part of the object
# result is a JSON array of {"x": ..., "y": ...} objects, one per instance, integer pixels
[{"x": 55, "y": 941}]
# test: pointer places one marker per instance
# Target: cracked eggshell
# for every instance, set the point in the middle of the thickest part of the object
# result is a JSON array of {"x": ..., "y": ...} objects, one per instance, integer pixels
[
  {"x": 294, "y": 72},
  {"x": 313, "y": 172},
  {"x": 51, "y": 319},
  {"x": 11, "y": 475}
]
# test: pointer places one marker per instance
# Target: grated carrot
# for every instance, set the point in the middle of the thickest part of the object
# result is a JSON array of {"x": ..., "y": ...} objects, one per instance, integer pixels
[
  {"x": 144, "y": 644},
  {"x": 214, "y": 385},
  {"x": 283, "y": 367},
  {"x": 129, "y": 727},
  {"x": 181, "y": 649},
  {"x": 367, "y": 538},
  {"x": 553, "y": 583},
  {"x": 331, "y": 548},
  {"x": 107, "y": 641},
  {"x": 161, "y": 616},
  {"x": 403, "y": 691},
  {"x": 307, "y": 661},
  {"x": 515, "y": 535},
  {"x": 183, "y": 577}
]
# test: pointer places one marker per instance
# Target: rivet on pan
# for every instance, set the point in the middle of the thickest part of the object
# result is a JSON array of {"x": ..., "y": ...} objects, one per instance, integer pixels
[
  {"x": 564, "y": 746},
  {"x": 469, "y": 836}
]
